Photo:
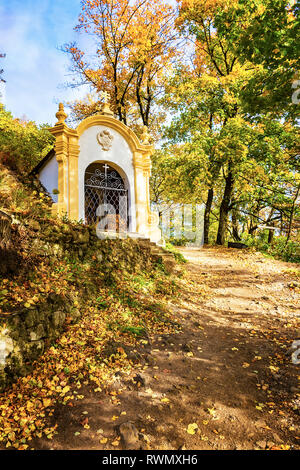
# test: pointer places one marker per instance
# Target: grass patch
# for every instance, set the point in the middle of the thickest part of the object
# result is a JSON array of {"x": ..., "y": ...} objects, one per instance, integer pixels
[
  {"x": 178, "y": 256},
  {"x": 134, "y": 330}
]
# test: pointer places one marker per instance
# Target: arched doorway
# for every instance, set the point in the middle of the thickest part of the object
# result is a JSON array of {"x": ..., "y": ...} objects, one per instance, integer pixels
[{"x": 106, "y": 198}]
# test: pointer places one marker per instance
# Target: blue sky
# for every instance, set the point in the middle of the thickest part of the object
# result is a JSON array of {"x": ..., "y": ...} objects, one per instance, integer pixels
[{"x": 32, "y": 31}]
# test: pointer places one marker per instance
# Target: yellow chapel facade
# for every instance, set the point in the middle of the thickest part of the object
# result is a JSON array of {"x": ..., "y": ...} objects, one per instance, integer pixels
[{"x": 99, "y": 173}]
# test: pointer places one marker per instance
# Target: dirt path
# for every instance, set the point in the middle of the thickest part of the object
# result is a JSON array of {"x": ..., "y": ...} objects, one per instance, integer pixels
[{"x": 224, "y": 381}]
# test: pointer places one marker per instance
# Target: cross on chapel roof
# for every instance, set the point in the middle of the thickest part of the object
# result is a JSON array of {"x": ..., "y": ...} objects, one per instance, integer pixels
[
  {"x": 106, "y": 109},
  {"x": 105, "y": 96}
]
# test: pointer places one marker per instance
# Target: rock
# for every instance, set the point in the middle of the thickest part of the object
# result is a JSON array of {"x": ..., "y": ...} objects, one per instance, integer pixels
[
  {"x": 271, "y": 444},
  {"x": 31, "y": 318},
  {"x": 6, "y": 346},
  {"x": 260, "y": 423},
  {"x": 130, "y": 436},
  {"x": 75, "y": 314},
  {"x": 34, "y": 349},
  {"x": 5, "y": 226},
  {"x": 38, "y": 333},
  {"x": 58, "y": 318}
]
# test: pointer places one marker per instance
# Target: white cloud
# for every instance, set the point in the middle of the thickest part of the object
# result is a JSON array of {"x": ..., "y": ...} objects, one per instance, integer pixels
[{"x": 31, "y": 33}]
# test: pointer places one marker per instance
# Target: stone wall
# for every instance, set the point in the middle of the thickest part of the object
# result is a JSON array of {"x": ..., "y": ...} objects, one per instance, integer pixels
[{"x": 24, "y": 335}]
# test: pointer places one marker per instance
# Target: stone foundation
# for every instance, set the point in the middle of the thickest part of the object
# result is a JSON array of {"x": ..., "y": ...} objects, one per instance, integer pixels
[{"x": 26, "y": 334}]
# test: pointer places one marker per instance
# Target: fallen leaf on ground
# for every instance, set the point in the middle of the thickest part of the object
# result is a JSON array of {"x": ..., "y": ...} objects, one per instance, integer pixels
[{"x": 192, "y": 428}]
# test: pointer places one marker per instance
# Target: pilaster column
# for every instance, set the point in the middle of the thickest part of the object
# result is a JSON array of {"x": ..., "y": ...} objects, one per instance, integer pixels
[
  {"x": 61, "y": 151},
  {"x": 73, "y": 176},
  {"x": 67, "y": 152},
  {"x": 140, "y": 193},
  {"x": 142, "y": 167}
]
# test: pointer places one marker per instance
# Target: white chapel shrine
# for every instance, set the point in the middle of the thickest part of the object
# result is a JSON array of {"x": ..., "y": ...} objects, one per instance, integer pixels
[{"x": 99, "y": 173}]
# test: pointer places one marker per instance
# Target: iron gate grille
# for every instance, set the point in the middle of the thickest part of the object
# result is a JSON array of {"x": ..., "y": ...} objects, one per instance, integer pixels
[{"x": 105, "y": 190}]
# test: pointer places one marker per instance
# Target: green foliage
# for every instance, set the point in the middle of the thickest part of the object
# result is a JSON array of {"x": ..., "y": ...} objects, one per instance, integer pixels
[
  {"x": 171, "y": 242},
  {"x": 22, "y": 195},
  {"x": 133, "y": 330},
  {"x": 22, "y": 143},
  {"x": 233, "y": 143},
  {"x": 269, "y": 38},
  {"x": 170, "y": 246},
  {"x": 280, "y": 248},
  {"x": 166, "y": 288},
  {"x": 1, "y": 71}
]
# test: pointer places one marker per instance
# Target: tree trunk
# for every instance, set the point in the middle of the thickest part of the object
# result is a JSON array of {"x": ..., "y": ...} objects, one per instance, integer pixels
[
  {"x": 207, "y": 211},
  {"x": 235, "y": 226},
  {"x": 252, "y": 230},
  {"x": 254, "y": 218},
  {"x": 224, "y": 209},
  {"x": 270, "y": 236}
]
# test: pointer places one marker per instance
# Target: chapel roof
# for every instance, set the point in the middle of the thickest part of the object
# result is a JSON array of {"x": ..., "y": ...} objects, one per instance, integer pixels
[{"x": 43, "y": 162}]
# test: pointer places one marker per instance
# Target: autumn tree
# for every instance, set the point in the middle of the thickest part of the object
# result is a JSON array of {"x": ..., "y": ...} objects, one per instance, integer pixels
[
  {"x": 265, "y": 33},
  {"x": 243, "y": 151},
  {"x": 135, "y": 44},
  {"x": 213, "y": 81}
]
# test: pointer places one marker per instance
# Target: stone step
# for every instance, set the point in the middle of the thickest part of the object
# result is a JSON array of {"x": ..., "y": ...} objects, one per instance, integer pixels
[
  {"x": 163, "y": 253},
  {"x": 113, "y": 235},
  {"x": 123, "y": 235}
]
